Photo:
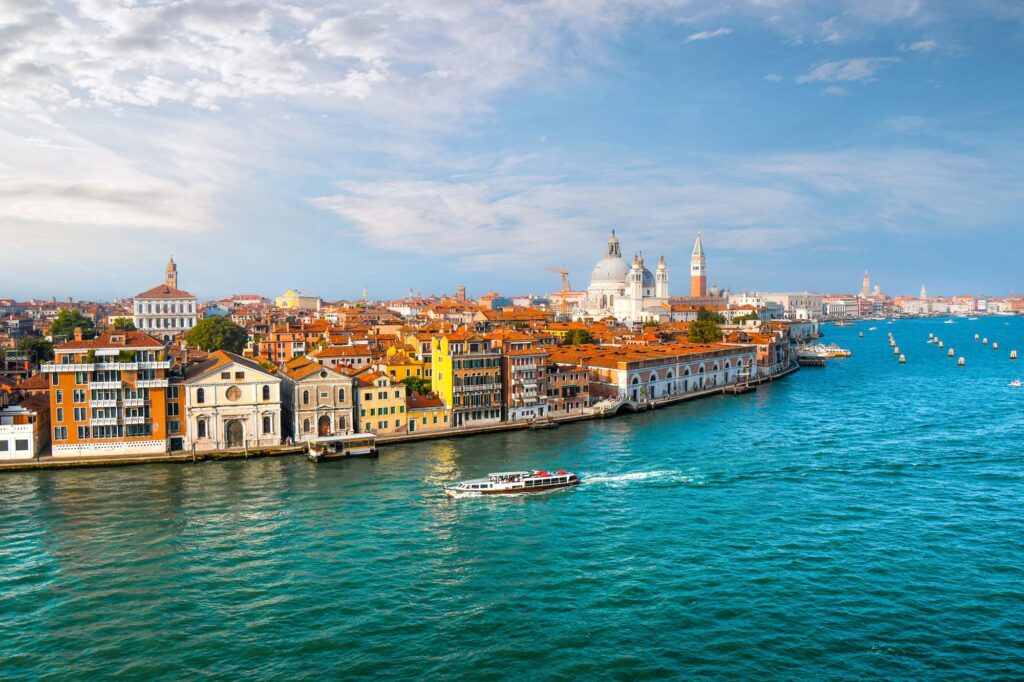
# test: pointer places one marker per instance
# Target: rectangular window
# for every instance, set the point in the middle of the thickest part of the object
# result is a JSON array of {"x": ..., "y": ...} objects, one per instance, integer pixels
[
  {"x": 83, "y": 432},
  {"x": 373, "y": 412},
  {"x": 225, "y": 375},
  {"x": 4, "y": 445},
  {"x": 21, "y": 445},
  {"x": 239, "y": 375},
  {"x": 173, "y": 427},
  {"x": 60, "y": 433},
  {"x": 172, "y": 392},
  {"x": 60, "y": 414},
  {"x": 54, "y": 379},
  {"x": 367, "y": 396},
  {"x": 173, "y": 409},
  {"x": 59, "y": 396},
  {"x": 79, "y": 414}
]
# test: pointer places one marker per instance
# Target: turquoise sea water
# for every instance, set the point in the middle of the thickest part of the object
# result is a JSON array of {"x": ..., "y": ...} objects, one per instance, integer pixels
[{"x": 859, "y": 521}]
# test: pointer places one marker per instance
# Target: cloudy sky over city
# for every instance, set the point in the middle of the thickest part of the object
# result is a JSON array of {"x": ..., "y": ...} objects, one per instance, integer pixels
[{"x": 426, "y": 144}]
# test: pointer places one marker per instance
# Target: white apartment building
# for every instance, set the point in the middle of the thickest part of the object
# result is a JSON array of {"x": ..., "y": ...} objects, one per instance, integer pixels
[{"x": 165, "y": 311}]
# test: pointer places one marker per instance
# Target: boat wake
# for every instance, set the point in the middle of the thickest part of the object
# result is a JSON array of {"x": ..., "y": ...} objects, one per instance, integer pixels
[{"x": 620, "y": 480}]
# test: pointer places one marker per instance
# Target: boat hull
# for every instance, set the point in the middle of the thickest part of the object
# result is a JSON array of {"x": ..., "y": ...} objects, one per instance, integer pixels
[{"x": 455, "y": 493}]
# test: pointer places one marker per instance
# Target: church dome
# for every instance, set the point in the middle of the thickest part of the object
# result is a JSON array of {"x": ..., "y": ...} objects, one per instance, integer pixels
[
  {"x": 610, "y": 269},
  {"x": 613, "y": 268}
]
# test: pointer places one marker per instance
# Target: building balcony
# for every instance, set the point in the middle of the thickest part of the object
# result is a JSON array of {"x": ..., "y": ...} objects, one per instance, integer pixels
[
  {"x": 524, "y": 368},
  {"x": 118, "y": 366},
  {"x": 16, "y": 429},
  {"x": 102, "y": 403},
  {"x": 103, "y": 421},
  {"x": 67, "y": 367},
  {"x": 104, "y": 384},
  {"x": 131, "y": 402},
  {"x": 155, "y": 364},
  {"x": 152, "y": 383},
  {"x": 134, "y": 420},
  {"x": 472, "y": 388}
]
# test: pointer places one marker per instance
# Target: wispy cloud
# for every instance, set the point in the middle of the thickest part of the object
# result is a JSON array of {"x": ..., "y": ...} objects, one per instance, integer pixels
[
  {"x": 762, "y": 202},
  {"x": 858, "y": 69},
  {"x": 708, "y": 35},
  {"x": 920, "y": 46}
]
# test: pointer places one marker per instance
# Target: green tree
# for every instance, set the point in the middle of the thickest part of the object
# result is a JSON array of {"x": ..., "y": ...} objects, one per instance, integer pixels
[
  {"x": 704, "y": 331},
  {"x": 38, "y": 350},
  {"x": 67, "y": 320},
  {"x": 751, "y": 316},
  {"x": 578, "y": 336},
  {"x": 124, "y": 324},
  {"x": 703, "y": 314},
  {"x": 218, "y": 333},
  {"x": 420, "y": 385}
]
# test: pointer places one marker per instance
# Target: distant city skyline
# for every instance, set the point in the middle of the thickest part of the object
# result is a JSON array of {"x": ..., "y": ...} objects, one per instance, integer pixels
[{"x": 429, "y": 145}]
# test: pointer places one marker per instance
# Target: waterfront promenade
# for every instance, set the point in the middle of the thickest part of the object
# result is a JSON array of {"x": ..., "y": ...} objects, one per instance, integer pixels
[{"x": 48, "y": 461}]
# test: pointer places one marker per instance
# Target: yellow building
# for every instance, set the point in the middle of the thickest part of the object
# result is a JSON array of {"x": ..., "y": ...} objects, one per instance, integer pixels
[
  {"x": 398, "y": 365},
  {"x": 467, "y": 376},
  {"x": 427, "y": 413},
  {"x": 295, "y": 299},
  {"x": 380, "y": 403}
]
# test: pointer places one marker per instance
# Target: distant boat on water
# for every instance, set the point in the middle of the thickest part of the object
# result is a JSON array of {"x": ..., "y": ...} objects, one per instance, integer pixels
[
  {"x": 1016, "y": 383},
  {"x": 949, "y": 322}
]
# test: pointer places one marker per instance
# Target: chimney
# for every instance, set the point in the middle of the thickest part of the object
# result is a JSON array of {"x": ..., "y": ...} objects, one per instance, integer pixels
[{"x": 78, "y": 333}]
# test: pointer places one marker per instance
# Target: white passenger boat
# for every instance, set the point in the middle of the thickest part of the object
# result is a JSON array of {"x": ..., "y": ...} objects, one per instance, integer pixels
[
  {"x": 348, "y": 445},
  {"x": 1016, "y": 383},
  {"x": 512, "y": 483}
]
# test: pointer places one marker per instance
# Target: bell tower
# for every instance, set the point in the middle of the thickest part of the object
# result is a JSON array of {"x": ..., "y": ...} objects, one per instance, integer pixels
[
  {"x": 661, "y": 279},
  {"x": 698, "y": 271},
  {"x": 171, "y": 274}
]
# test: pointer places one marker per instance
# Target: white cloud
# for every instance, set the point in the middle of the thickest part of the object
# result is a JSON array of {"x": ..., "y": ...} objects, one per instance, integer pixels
[
  {"x": 859, "y": 69},
  {"x": 708, "y": 35},
  {"x": 765, "y": 202},
  {"x": 920, "y": 46},
  {"x": 836, "y": 91},
  {"x": 773, "y": 78}
]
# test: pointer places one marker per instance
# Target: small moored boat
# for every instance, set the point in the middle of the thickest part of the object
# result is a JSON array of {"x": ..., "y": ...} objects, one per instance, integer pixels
[{"x": 512, "y": 483}]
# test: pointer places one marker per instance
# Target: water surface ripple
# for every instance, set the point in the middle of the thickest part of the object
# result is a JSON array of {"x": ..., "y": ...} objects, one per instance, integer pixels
[{"x": 861, "y": 521}]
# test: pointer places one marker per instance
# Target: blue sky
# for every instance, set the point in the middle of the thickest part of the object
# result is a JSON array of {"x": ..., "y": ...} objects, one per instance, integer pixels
[{"x": 328, "y": 146}]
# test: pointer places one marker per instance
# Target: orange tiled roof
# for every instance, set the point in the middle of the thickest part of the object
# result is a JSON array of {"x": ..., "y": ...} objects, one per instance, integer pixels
[
  {"x": 415, "y": 401},
  {"x": 105, "y": 340},
  {"x": 164, "y": 291}
]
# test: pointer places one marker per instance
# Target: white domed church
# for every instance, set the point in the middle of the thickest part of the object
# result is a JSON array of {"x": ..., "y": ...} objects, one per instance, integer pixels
[{"x": 626, "y": 291}]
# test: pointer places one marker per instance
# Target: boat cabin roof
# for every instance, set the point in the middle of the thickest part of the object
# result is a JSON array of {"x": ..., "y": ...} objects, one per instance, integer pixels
[
  {"x": 345, "y": 437},
  {"x": 511, "y": 473}
]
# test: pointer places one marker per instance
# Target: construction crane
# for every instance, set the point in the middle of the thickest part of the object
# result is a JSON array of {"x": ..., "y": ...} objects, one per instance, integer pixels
[{"x": 566, "y": 287}]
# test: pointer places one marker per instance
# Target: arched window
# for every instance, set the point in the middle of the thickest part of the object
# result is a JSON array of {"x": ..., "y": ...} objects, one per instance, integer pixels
[
  {"x": 266, "y": 392},
  {"x": 341, "y": 395},
  {"x": 201, "y": 427},
  {"x": 305, "y": 426},
  {"x": 268, "y": 423},
  {"x": 305, "y": 399},
  {"x": 200, "y": 396}
]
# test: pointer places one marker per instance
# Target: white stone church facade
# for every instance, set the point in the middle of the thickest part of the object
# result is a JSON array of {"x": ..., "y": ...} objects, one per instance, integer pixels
[{"x": 628, "y": 292}]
